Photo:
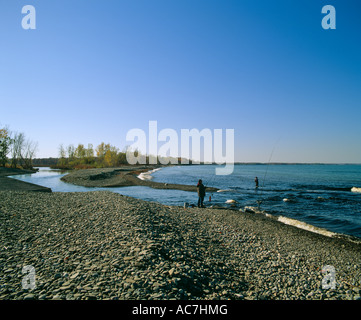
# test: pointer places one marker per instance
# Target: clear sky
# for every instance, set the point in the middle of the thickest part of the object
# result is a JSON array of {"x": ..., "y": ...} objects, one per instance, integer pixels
[{"x": 92, "y": 70}]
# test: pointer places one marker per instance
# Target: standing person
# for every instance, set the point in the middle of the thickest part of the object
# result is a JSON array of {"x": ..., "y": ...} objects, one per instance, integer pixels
[
  {"x": 201, "y": 189},
  {"x": 256, "y": 181}
]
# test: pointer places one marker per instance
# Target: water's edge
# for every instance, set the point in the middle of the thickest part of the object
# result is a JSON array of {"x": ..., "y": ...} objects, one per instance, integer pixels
[{"x": 282, "y": 219}]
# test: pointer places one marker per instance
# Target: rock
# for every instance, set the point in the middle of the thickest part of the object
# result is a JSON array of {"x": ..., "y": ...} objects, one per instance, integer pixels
[
  {"x": 171, "y": 271},
  {"x": 29, "y": 296},
  {"x": 357, "y": 290},
  {"x": 128, "y": 258}
]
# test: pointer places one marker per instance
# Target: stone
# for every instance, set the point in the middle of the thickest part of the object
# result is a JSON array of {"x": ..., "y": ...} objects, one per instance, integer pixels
[{"x": 29, "y": 296}]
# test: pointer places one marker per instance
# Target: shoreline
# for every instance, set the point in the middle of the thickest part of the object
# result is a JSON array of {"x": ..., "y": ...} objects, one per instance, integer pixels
[
  {"x": 294, "y": 223},
  {"x": 9, "y": 184},
  {"x": 126, "y": 248},
  {"x": 130, "y": 176},
  {"x": 123, "y": 177}
]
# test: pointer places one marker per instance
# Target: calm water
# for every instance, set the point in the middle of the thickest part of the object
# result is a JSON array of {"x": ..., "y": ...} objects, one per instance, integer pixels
[{"x": 319, "y": 195}]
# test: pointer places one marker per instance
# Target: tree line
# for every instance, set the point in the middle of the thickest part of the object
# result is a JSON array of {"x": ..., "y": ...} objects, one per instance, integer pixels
[
  {"x": 17, "y": 151},
  {"x": 81, "y": 157},
  {"x": 16, "y": 146},
  {"x": 103, "y": 156}
]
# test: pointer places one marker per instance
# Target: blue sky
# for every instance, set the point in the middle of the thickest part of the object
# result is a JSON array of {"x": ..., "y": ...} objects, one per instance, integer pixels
[{"x": 92, "y": 70}]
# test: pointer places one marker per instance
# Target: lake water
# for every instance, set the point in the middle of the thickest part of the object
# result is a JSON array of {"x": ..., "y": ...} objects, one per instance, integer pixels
[{"x": 319, "y": 195}]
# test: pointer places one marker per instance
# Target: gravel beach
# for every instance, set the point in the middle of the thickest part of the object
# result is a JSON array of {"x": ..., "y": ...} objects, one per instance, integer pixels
[{"x": 102, "y": 245}]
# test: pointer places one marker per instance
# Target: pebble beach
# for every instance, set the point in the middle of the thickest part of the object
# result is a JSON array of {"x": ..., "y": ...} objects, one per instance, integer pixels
[{"x": 101, "y": 245}]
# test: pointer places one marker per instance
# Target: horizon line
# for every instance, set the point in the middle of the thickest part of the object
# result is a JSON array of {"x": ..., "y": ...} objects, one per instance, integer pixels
[{"x": 254, "y": 162}]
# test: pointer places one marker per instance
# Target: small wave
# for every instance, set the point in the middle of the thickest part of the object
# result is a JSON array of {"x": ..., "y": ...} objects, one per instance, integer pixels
[
  {"x": 147, "y": 175},
  {"x": 305, "y": 226},
  {"x": 355, "y": 189}
]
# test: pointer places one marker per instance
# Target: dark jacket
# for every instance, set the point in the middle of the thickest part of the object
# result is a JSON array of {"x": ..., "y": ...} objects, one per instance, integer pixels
[{"x": 201, "y": 189}]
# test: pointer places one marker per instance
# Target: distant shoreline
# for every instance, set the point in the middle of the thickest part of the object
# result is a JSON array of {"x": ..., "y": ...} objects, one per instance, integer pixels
[
  {"x": 297, "y": 163},
  {"x": 48, "y": 162}
]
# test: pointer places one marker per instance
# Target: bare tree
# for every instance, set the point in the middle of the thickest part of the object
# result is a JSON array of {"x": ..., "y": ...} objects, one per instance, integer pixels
[
  {"x": 22, "y": 150},
  {"x": 16, "y": 148},
  {"x": 27, "y": 154},
  {"x": 62, "y": 152},
  {"x": 62, "y": 155},
  {"x": 71, "y": 152}
]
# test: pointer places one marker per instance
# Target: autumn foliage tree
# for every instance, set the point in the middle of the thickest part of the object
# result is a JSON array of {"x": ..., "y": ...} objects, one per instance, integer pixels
[
  {"x": 104, "y": 155},
  {"x": 111, "y": 156},
  {"x": 5, "y": 143}
]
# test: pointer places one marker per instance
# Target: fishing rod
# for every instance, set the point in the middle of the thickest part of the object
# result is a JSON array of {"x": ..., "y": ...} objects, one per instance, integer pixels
[
  {"x": 259, "y": 202},
  {"x": 209, "y": 184},
  {"x": 227, "y": 190}
]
